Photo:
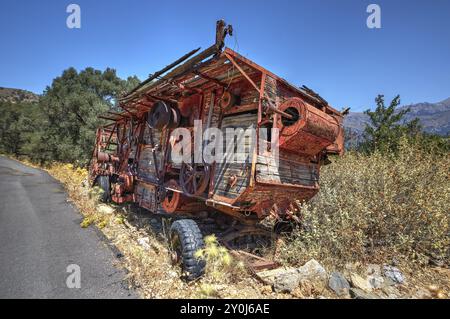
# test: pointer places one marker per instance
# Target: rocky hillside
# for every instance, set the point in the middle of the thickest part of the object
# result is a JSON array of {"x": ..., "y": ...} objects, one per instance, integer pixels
[
  {"x": 17, "y": 95},
  {"x": 434, "y": 117}
]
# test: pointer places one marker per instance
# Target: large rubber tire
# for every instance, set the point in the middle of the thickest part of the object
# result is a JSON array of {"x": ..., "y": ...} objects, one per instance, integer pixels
[
  {"x": 186, "y": 239},
  {"x": 105, "y": 185}
]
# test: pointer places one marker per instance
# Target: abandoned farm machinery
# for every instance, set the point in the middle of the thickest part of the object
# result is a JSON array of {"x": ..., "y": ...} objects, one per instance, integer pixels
[{"x": 288, "y": 134}]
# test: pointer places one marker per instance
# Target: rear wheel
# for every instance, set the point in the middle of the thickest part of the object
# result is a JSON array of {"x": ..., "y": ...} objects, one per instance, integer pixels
[
  {"x": 105, "y": 185},
  {"x": 186, "y": 238}
]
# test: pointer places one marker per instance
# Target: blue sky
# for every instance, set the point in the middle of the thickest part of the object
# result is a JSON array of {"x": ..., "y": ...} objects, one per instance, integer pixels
[{"x": 325, "y": 45}]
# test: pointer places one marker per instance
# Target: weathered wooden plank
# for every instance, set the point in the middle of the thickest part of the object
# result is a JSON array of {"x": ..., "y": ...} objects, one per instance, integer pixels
[
  {"x": 298, "y": 172},
  {"x": 226, "y": 170}
]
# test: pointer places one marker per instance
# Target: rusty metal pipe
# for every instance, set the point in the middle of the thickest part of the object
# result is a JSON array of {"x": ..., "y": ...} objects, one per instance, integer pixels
[{"x": 274, "y": 109}]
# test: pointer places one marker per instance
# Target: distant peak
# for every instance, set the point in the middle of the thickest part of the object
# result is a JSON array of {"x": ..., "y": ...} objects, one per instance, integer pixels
[{"x": 445, "y": 102}]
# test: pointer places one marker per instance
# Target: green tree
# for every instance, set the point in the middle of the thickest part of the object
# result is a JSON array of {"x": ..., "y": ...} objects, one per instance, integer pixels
[
  {"x": 13, "y": 124},
  {"x": 386, "y": 126},
  {"x": 69, "y": 114}
]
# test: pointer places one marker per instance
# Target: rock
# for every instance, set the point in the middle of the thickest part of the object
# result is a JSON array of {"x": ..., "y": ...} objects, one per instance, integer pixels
[
  {"x": 375, "y": 281},
  {"x": 393, "y": 273},
  {"x": 433, "y": 288},
  {"x": 360, "y": 294},
  {"x": 286, "y": 281},
  {"x": 360, "y": 283},
  {"x": 339, "y": 284},
  {"x": 144, "y": 242},
  {"x": 282, "y": 279},
  {"x": 313, "y": 272},
  {"x": 269, "y": 276}
]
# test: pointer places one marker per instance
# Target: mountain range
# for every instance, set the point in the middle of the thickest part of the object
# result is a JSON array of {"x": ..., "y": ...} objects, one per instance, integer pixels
[{"x": 434, "y": 117}]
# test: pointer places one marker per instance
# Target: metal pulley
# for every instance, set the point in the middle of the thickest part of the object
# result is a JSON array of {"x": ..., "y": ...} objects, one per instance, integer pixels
[
  {"x": 162, "y": 115},
  {"x": 175, "y": 118},
  {"x": 159, "y": 115},
  {"x": 228, "y": 100}
]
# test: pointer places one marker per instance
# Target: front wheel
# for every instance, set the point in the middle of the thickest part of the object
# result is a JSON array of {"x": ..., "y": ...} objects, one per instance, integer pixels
[{"x": 186, "y": 238}]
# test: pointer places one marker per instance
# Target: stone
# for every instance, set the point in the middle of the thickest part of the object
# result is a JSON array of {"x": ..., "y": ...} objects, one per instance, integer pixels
[
  {"x": 286, "y": 281},
  {"x": 339, "y": 284},
  {"x": 360, "y": 283},
  {"x": 281, "y": 279},
  {"x": 314, "y": 272},
  {"x": 393, "y": 273},
  {"x": 269, "y": 276},
  {"x": 360, "y": 294},
  {"x": 375, "y": 281},
  {"x": 144, "y": 242}
]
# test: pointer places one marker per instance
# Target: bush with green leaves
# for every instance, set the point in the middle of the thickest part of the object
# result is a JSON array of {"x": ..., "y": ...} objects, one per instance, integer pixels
[{"x": 377, "y": 206}]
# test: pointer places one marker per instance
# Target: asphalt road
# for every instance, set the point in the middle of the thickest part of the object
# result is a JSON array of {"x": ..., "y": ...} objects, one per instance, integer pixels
[{"x": 40, "y": 236}]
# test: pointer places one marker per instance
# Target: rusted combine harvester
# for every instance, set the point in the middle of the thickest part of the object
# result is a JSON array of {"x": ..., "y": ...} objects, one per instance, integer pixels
[{"x": 222, "y": 89}]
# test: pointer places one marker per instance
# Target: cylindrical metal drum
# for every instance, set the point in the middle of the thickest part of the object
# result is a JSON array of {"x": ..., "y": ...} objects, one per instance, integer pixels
[{"x": 309, "y": 131}]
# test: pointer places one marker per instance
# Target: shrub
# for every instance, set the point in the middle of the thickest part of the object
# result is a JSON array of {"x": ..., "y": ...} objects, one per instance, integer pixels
[{"x": 377, "y": 206}]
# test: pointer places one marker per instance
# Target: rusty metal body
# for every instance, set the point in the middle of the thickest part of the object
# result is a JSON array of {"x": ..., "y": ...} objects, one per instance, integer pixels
[{"x": 222, "y": 89}]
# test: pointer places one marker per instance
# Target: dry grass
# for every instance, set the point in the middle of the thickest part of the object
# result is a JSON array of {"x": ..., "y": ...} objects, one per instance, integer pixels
[
  {"x": 222, "y": 269},
  {"x": 376, "y": 208}
]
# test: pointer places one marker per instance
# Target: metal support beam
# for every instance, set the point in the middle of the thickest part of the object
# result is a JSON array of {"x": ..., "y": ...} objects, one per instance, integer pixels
[{"x": 269, "y": 104}]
